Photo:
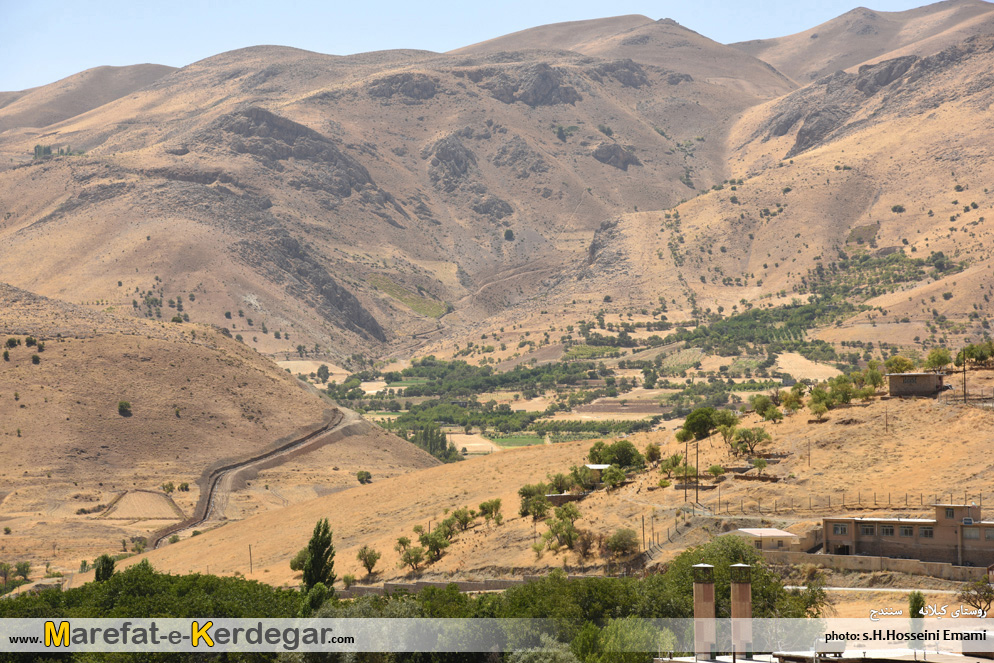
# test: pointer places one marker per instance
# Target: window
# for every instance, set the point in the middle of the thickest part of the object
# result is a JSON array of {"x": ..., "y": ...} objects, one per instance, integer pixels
[
  {"x": 867, "y": 530},
  {"x": 989, "y": 533},
  {"x": 758, "y": 544},
  {"x": 886, "y": 530},
  {"x": 950, "y": 513},
  {"x": 971, "y": 532},
  {"x": 779, "y": 543},
  {"x": 925, "y": 532},
  {"x": 907, "y": 530},
  {"x": 839, "y": 528}
]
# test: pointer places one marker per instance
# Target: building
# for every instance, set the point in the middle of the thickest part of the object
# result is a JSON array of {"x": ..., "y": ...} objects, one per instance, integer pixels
[
  {"x": 768, "y": 538},
  {"x": 915, "y": 384},
  {"x": 956, "y": 535},
  {"x": 596, "y": 469}
]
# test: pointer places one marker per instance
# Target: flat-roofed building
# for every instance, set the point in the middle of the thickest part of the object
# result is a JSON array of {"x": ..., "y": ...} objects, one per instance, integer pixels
[
  {"x": 956, "y": 535},
  {"x": 768, "y": 538},
  {"x": 914, "y": 384}
]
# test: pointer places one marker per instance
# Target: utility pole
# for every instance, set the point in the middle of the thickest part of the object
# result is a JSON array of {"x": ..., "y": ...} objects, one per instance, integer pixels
[
  {"x": 686, "y": 457},
  {"x": 964, "y": 378},
  {"x": 697, "y": 482},
  {"x": 250, "y": 559}
]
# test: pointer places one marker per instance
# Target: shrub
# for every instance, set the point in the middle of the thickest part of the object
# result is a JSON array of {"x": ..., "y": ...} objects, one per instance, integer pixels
[
  {"x": 348, "y": 580},
  {"x": 623, "y": 542},
  {"x": 509, "y": 235},
  {"x": 35, "y": 359},
  {"x": 364, "y": 477},
  {"x": 174, "y": 538},
  {"x": 368, "y": 558},
  {"x": 897, "y": 209},
  {"x": 124, "y": 408}
]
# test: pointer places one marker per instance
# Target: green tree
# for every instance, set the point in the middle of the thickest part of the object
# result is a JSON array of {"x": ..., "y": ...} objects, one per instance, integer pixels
[
  {"x": 413, "y": 557},
  {"x": 103, "y": 568},
  {"x": 320, "y": 563},
  {"x": 490, "y": 510},
  {"x": 124, "y": 408},
  {"x": 716, "y": 471},
  {"x": 899, "y": 364},
  {"x": 23, "y": 569},
  {"x": 938, "y": 358},
  {"x": 368, "y": 557},
  {"x": 760, "y": 465},
  {"x": 700, "y": 423},
  {"x": 652, "y": 452},
  {"x": 323, "y": 373},
  {"x": 818, "y": 409},
  {"x": 464, "y": 517},
  {"x": 751, "y": 438},
  {"x": 613, "y": 476},
  {"x": 364, "y": 477},
  {"x": 509, "y": 235},
  {"x": 6, "y": 571},
  {"x": 623, "y": 543}
]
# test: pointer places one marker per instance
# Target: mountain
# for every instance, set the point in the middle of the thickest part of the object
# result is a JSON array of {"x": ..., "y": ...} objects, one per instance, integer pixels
[
  {"x": 385, "y": 202},
  {"x": 74, "y": 95},
  {"x": 357, "y": 200},
  {"x": 865, "y": 36}
]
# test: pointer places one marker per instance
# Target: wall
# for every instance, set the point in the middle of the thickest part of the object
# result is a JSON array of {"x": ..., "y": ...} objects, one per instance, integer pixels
[{"x": 865, "y": 563}]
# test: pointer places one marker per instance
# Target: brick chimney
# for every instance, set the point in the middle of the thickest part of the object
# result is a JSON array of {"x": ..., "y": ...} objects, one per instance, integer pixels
[
  {"x": 741, "y": 576},
  {"x": 705, "y": 640}
]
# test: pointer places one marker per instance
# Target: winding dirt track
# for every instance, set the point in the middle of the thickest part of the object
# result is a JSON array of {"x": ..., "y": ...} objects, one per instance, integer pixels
[{"x": 220, "y": 482}]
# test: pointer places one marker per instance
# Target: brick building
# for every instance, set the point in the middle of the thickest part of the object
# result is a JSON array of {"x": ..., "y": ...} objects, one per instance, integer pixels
[
  {"x": 957, "y": 535},
  {"x": 914, "y": 384}
]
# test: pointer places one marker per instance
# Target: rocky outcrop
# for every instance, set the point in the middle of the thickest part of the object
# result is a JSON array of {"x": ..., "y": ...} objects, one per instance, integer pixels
[
  {"x": 410, "y": 85},
  {"x": 285, "y": 261},
  {"x": 518, "y": 156},
  {"x": 449, "y": 162},
  {"x": 615, "y": 155},
  {"x": 627, "y": 72},
  {"x": 535, "y": 85},
  {"x": 272, "y": 138},
  {"x": 493, "y": 207}
]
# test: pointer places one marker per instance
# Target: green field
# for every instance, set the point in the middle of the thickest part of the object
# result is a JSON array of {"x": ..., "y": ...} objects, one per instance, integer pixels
[
  {"x": 426, "y": 306},
  {"x": 408, "y": 382},
  {"x": 518, "y": 441}
]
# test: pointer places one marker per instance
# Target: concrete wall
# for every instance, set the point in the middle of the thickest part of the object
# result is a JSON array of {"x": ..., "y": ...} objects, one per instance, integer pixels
[
  {"x": 914, "y": 385},
  {"x": 866, "y": 563}
]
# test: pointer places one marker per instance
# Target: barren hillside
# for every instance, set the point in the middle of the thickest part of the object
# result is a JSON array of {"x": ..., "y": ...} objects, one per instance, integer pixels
[
  {"x": 194, "y": 397},
  {"x": 866, "y": 36}
]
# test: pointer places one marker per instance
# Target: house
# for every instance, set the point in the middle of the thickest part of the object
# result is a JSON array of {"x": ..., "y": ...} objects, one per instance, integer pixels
[
  {"x": 768, "y": 538},
  {"x": 956, "y": 535},
  {"x": 596, "y": 469},
  {"x": 914, "y": 384}
]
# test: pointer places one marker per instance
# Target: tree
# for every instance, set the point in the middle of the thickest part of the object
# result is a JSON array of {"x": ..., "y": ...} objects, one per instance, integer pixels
[
  {"x": 412, "y": 557},
  {"x": 716, "y": 471},
  {"x": 323, "y": 373},
  {"x": 23, "y": 569},
  {"x": 368, "y": 558},
  {"x": 562, "y": 526},
  {"x": 652, "y": 452},
  {"x": 760, "y": 465},
  {"x": 124, "y": 408},
  {"x": 671, "y": 463},
  {"x": 490, "y": 510},
  {"x": 560, "y": 482},
  {"x": 899, "y": 364},
  {"x": 700, "y": 422},
  {"x": 464, "y": 517},
  {"x": 613, "y": 476},
  {"x": 364, "y": 477},
  {"x": 168, "y": 487},
  {"x": 752, "y": 438},
  {"x": 623, "y": 542},
  {"x": 978, "y": 594},
  {"x": 297, "y": 562},
  {"x": 320, "y": 563},
  {"x": 818, "y": 409},
  {"x": 916, "y": 604},
  {"x": 6, "y": 570},
  {"x": 103, "y": 568},
  {"x": 509, "y": 235},
  {"x": 938, "y": 358}
]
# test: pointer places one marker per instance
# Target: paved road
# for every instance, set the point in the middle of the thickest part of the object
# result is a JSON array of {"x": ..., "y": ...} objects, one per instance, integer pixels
[
  {"x": 220, "y": 485},
  {"x": 894, "y": 590}
]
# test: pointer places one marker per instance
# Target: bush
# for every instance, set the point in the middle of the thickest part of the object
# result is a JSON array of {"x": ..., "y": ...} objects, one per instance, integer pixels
[
  {"x": 124, "y": 408},
  {"x": 623, "y": 542},
  {"x": 364, "y": 477},
  {"x": 35, "y": 359},
  {"x": 897, "y": 209},
  {"x": 348, "y": 580}
]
